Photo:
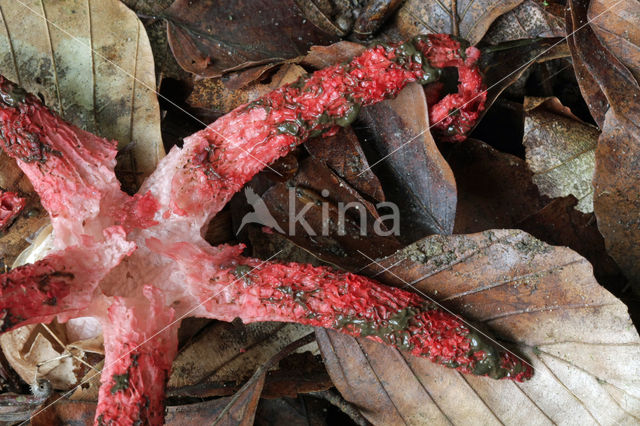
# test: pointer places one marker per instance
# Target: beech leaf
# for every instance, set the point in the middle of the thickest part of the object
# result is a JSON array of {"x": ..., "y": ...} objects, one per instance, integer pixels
[
  {"x": 616, "y": 180},
  {"x": 212, "y": 38},
  {"x": 224, "y": 353},
  {"x": 495, "y": 189},
  {"x": 530, "y": 19},
  {"x": 618, "y": 29},
  {"x": 419, "y": 180},
  {"x": 541, "y": 301},
  {"x": 435, "y": 16},
  {"x": 560, "y": 150}
]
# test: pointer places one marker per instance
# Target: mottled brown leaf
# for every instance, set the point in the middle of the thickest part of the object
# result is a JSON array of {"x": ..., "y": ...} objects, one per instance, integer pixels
[
  {"x": 542, "y": 300},
  {"x": 325, "y": 56},
  {"x": 224, "y": 354},
  {"x": 594, "y": 97},
  {"x": 214, "y": 95},
  {"x": 212, "y": 38},
  {"x": 413, "y": 173},
  {"x": 435, "y": 16},
  {"x": 617, "y": 176},
  {"x": 559, "y": 223},
  {"x": 70, "y": 412},
  {"x": 503, "y": 64},
  {"x": 619, "y": 30},
  {"x": 560, "y": 150},
  {"x": 531, "y": 19}
]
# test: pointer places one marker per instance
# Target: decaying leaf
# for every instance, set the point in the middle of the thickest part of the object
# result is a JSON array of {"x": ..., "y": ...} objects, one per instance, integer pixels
[
  {"x": 98, "y": 76},
  {"x": 409, "y": 163},
  {"x": 435, "y": 16},
  {"x": 495, "y": 189},
  {"x": 619, "y": 30},
  {"x": 335, "y": 221},
  {"x": 616, "y": 180},
  {"x": 343, "y": 154},
  {"x": 224, "y": 355},
  {"x": 560, "y": 150},
  {"x": 325, "y": 56},
  {"x": 559, "y": 223},
  {"x": 503, "y": 64},
  {"x": 530, "y": 19},
  {"x": 542, "y": 300},
  {"x": 212, "y": 38},
  {"x": 591, "y": 92},
  {"x": 66, "y": 411}
]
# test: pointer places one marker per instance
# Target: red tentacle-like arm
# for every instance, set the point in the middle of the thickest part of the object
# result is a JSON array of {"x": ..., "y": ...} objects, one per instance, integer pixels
[
  {"x": 225, "y": 286},
  {"x": 216, "y": 162}
]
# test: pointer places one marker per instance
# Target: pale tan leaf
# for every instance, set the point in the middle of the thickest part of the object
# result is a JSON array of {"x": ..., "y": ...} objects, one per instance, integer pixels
[
  {"x": 539, "y": 300},
  {"x": 560, "y": 150}
]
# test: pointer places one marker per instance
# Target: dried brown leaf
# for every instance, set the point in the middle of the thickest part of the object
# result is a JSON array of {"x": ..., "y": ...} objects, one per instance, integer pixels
[
  {"x": 435, "y": 16},
  {"x": 503, "y": 64},
  {"x": 227, "y": 353},
  {"x": 495, "y": 189},
  {"x": 212, "y": 38},
  {"x": 83, "y": 413},
  {"x": 619, "y": 30},
  {"x": 594, "y": 97},
  {"x": 560, "y": 150},
  {"x": 317, "y": 193},
  {"x": 214, "y": 95},
  {"x": 343, "y": 154},
  {"x": 543, "y": 300},
  {"x": 559, "y": 223},
  {"x": 409, "y": 164},
  {"x": 531, "y": 19},
  {"x": 326, "y": 56},
  {"x": 616, "y": 180}
]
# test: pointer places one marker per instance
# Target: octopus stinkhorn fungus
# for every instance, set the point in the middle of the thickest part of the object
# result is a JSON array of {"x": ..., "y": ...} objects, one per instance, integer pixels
[{"x": 139, "y": 263}]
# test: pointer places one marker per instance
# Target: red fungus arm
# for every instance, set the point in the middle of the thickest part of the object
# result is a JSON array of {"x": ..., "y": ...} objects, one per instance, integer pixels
[
  {"x": 140, "y": 343},
  {"x": 70, "y": 169},
  {"x": 216, "y": 162},
  {"x": 62, "y": 284},
  {"x": 225, "y": 285},
  {"x": 358, "y": 306}
]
